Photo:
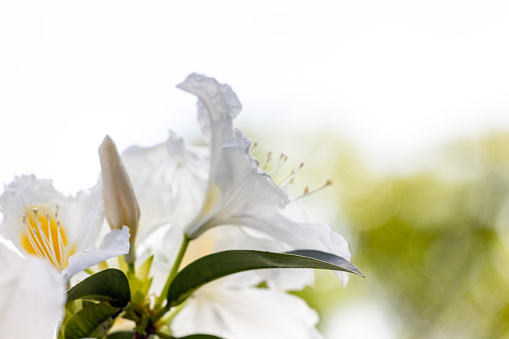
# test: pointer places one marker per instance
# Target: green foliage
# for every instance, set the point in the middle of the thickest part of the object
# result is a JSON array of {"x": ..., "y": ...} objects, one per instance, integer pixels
[
  {"x": 199, "y": 336},
  {"x": 140, "y": 283},
  {"x": 217, "y": 265},
  {"x": 91, "y": 321},
  {"x": 121, "y": 335},
  {"x": 107, "y": 285},
  {"x": 433, "y": 240},
  {"x": 440, "y": 244}
]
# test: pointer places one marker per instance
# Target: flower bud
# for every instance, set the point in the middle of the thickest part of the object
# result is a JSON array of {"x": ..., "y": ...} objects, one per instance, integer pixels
[{"x": 120, "y": 204}]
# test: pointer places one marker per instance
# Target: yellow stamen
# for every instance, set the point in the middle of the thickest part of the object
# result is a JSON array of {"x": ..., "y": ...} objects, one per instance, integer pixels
[{"x": 45, "y": 237}]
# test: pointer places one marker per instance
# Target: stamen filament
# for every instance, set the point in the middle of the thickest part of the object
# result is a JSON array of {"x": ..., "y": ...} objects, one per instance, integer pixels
[
  {"x": 307, "y": 192},
  {"x": 51, "y": 251},
  {"x": 289, "y": 179},
  {"x": 42, "y": 244},
  {"x": 33, "y": 233},
  {"x": 251, "y": 149},
  {"x": 39, "y": 249},
  {"x": 267, "y": 161},
  {"x": 28, "y": 230},
  {"x": 60, "y": 244},
  {"x": 282, "y": 160},
  {"x": 49, "y": 232}
]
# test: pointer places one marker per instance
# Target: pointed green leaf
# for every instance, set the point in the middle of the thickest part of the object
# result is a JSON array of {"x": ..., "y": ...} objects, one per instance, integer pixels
[
  {"x": 143, "y": 271},
  {"x": 107, "y": 285},
  {"x": 329, "y": 258},
  {"x": 217, "y": 265},
  {"x": 199, "y": 336},
  {"x": 90, "y": 319},
  {"x": 121, "y": 335}
]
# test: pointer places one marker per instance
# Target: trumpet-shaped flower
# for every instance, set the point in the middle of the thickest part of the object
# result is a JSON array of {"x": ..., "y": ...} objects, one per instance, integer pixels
[
  {"x": 238, "y": 191},
  {"x": 32, "y": 296},
  {"x": 199, "y": 189},
  {"x": 61, "y": 230}
]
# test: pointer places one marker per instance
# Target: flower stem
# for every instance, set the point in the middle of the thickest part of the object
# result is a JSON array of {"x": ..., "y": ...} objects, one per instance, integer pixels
[
  {"x": 174, "y": 271},
  {"x": 131, "y": 267}
]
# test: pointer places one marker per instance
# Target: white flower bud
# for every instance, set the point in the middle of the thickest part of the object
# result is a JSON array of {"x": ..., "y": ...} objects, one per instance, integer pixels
[{"x": 120, "y": 204}]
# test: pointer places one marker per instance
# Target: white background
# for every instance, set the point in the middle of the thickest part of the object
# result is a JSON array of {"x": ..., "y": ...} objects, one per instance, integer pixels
[{"x": 394, "y": 77}]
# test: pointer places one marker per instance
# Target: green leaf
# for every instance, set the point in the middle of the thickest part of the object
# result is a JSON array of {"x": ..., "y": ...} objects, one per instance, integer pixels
[
  {"x": 199, "y": 336},
  {"x": 107, "y": 285},
  {"x": 90, "y": 319},
  {"x": 121, "y": 335},
  {"x": 217, "y": 265},
  {"x": 143, "y": 271},
  {"x": 329, "y": 258}
]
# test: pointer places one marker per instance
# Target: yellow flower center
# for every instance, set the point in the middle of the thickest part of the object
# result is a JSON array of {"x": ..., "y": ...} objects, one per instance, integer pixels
[{"x": 45, "y": 237}]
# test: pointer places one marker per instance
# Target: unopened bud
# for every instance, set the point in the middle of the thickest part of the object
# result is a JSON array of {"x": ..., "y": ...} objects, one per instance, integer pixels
[{"x": 120, "y": 204}]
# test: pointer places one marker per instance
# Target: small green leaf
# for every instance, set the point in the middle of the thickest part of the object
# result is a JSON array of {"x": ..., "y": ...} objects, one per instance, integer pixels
[
  {"x": 217, "y": 265},
  {"x": 121, "y": 335},
  {"x": 143, "y": 271},
  {"x": 88, "y": 320},
  {"x": 107, "y": 285}
]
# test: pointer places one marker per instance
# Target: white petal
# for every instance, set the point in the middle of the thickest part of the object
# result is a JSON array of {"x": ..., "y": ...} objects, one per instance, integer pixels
[
  {"x": 246, "y": 313},
  {"x": 302, "y": 236},
  {"x": 249, "y": 197},
  {"x": 244, "y": 189},
  {"x": 217, "y": 106},
  {"x": 115, "y": 243},
  {"x": 32, "y": 295},
  {"x": 169, "y": 181},
  {"x": 86, "y": 216},
  {"x": 81, "y": 217},
  {"x": 25, "y": 191}
]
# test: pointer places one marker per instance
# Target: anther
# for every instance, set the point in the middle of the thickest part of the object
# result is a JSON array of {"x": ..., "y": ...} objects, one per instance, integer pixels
[
  {"x": 290, "y": 178},
  {"x": 253, "y": 146},
  {"x": 307, "y": 192},
  {"x": 267, "y": 161},
  {"x": 281, "y": 161}
]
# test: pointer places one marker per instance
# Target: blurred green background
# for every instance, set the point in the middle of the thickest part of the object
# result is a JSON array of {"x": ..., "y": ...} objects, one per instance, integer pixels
[{"x": 432, "y": 240}]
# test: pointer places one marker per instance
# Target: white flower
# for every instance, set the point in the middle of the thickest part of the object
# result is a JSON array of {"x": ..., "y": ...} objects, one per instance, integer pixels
[
  {"x": 229, "y": 308},
  {"x": 235, "y": 191},
  {"x": 238, "y": 191},
  {"x": 222, "y": 185},
  {"x": 43, "y": 222},
  {"x": 32, "y": 295}
]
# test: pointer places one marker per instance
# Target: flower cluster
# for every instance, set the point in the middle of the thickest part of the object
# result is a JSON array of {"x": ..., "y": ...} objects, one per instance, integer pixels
[{"x": 183, "y": 220}]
